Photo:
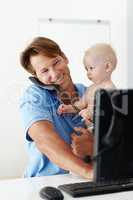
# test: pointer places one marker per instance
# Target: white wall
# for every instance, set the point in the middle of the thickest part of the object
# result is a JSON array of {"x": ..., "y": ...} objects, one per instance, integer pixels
[
  {"x": 81, "y": 34},
  {"x": 18, "y": 20}
]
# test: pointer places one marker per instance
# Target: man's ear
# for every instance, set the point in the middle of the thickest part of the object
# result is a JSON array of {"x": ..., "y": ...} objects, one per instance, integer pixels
[{"x": 66, "y": 59}]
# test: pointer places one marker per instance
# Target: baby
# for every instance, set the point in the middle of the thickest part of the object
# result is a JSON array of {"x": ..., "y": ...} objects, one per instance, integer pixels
[{"x": 99, "y": 61}]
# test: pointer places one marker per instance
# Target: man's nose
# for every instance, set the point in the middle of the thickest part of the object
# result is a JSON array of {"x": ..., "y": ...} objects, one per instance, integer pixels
[{"x": 54, "y": 75}]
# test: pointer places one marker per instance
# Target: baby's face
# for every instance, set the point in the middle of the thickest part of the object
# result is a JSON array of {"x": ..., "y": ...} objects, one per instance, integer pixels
[{"x": 96, "y": 69}]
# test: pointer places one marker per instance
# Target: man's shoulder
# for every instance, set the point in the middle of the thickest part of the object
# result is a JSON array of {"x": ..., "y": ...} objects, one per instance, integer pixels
[
  {"x": 81, "y": 88},
  {"x": 33, "y": 91}
]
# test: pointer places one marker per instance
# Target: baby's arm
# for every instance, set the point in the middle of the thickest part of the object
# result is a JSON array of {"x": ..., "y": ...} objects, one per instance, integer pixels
[
  {"x": 87, "y": 113},
  {"x": 75, "y": 107}
]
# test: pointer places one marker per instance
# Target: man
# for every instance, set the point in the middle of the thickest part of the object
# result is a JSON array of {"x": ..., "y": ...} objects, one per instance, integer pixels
[{"x": 47, "y": 134}]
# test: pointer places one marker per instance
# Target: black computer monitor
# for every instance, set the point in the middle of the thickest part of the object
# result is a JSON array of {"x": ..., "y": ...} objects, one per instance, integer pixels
[{"x": 113, "y": 135}]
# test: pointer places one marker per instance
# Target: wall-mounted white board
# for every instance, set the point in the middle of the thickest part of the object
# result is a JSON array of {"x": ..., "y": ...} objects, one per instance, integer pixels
[{"x": 74, "y": 37}]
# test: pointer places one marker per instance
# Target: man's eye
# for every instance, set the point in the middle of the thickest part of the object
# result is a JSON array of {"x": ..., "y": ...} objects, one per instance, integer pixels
[
  {"x": 44, "y": 71},
  {"x": 57, "y": 62}
]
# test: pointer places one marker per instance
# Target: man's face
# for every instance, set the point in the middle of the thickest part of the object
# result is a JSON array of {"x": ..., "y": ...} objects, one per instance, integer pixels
[{"x": 51, "y": 70}]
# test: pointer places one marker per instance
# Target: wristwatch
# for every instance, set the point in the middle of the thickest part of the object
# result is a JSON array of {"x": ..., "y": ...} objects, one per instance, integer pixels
[{"x": 87, "y": 159}]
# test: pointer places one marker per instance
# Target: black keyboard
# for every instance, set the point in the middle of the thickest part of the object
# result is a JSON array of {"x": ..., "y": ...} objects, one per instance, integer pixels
[{"x": 92, "y": 188}]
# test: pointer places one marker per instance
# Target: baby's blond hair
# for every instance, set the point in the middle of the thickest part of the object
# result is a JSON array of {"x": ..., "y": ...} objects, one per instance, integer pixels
[{"x": 103, "y": 50}]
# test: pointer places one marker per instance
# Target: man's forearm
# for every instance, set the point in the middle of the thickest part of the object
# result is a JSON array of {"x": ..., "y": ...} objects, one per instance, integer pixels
[
  {"x": 61, "y": 154},
  {"x": 56, "y": 149}
]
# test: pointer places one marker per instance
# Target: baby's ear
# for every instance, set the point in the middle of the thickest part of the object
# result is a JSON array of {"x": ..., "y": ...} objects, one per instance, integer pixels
[{"x": 109, "y": 67}]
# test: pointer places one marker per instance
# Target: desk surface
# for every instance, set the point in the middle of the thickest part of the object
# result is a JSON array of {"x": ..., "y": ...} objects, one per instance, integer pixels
[{"x": 28, "y": 189}]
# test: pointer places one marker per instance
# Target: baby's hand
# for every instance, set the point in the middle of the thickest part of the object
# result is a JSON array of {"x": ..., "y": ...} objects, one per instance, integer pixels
[
  {"x": 86, "y": 115},
  {"x": 63, "y": 108}
]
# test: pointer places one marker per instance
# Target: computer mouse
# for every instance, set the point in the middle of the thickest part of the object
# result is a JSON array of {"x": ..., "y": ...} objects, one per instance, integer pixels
[{"x": 51, "y": 193}]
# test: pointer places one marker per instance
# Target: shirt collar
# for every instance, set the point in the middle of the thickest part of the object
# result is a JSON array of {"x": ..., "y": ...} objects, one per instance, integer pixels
[
  {"x": 40, "y": 84},
  {"x": 48, "y": 87}
]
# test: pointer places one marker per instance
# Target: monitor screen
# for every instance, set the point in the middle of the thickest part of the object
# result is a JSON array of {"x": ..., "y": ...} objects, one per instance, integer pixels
[{"x": 113, "y": 135}]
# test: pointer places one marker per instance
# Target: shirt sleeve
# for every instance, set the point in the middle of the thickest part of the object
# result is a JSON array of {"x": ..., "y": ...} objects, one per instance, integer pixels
[
  {"x": 34, "y": 106},
  {"x": 81, "y": 88}
]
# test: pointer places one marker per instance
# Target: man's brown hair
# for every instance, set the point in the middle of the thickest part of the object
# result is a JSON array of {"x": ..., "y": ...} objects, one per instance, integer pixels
[{"x": 40, "y": 45}]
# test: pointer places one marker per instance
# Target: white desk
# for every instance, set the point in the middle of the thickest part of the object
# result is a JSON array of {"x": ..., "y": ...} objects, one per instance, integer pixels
[{"x": 28, "y": 189}]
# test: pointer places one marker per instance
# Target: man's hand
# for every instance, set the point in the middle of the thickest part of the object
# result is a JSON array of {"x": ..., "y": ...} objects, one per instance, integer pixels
[{"x": 82, "y": 145}]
